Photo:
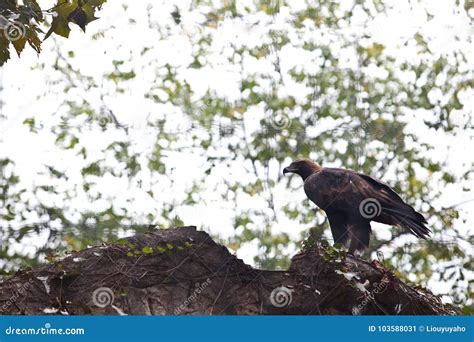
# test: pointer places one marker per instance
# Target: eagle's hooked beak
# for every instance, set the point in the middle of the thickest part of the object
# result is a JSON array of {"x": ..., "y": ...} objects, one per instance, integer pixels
[{"x": 287, "y": 170}]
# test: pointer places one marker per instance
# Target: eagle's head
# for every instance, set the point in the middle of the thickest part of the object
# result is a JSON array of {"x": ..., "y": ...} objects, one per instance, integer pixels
[{"x": 302, "y": 167}]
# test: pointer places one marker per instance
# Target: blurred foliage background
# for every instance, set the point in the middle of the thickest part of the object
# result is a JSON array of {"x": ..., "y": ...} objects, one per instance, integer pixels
[{"x": 186, "y": 112}]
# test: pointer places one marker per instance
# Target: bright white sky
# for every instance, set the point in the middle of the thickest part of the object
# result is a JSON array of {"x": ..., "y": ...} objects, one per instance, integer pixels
[{"x": 32, "y": 92}]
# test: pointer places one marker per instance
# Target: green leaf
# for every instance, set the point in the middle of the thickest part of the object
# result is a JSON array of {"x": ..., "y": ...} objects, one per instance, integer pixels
[
  {"x": 74, "y": 141},
  {"x": 73, "y": 12},
  {"x": 33, "y": 5},
  {"x": 122, "y": 241},
  {"x": 147, "y": 250},
  {"x": 96, "y": 3},
  {"x": 4, "y": 52},
  {"x": 19, "y": 45},
  {"x": 60, "y": 27},
  {"x": 33, "y": 39},
  {"x": 29, "y": 122}
]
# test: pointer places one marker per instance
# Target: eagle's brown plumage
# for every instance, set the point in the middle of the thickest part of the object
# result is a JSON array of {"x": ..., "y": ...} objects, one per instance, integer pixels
[{"x": 351, "y": 200}]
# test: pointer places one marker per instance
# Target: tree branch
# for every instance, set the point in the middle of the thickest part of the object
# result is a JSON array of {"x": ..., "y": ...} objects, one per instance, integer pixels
[{"x": 182, "y": 271}]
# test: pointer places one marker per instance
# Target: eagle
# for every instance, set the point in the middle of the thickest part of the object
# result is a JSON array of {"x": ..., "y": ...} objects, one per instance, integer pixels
[{"x": 351, "y": 200}]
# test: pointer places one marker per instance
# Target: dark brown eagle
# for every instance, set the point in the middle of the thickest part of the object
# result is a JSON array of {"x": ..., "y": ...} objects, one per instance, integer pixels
[{"x": 351, "y": 200}]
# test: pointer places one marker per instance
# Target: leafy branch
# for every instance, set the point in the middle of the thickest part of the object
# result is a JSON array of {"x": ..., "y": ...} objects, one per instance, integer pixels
[{"x": 25, "y": 23}]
